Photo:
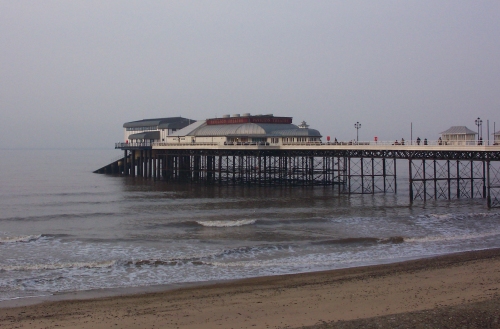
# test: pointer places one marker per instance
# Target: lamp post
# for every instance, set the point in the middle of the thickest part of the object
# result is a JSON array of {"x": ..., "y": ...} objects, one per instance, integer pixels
[
  {"x": 479, "y": 123},
  {"x": 357, "y": 125}
]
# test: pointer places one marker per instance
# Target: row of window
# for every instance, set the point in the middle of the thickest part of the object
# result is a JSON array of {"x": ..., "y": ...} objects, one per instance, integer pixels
[
  {"x": 273, "y": 140},
  {"x": 300, "y": 139},
  {"x": 141, "y": 128}
]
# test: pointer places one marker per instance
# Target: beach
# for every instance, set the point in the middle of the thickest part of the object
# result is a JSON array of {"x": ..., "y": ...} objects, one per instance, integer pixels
[{"x": 460, "y": 287}]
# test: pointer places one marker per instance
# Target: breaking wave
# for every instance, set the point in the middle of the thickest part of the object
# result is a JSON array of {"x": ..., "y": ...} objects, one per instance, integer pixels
[
  {"x": 227, "y": 223},
  {"x": 451, "y": 237},
  {"x": 159, "y": 262},
  {"x": 459, "y": 216},
  {"x": 362, "y": 240},
  {"x": 57, "y": 266},
  {"x": 21, "y": 238}
]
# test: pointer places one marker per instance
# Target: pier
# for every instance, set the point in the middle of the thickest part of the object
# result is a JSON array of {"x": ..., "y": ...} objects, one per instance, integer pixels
[{"x": 435, "y": 171}]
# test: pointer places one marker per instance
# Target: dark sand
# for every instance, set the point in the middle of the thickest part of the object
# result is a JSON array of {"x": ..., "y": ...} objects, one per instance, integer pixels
[{"x": 452, "y": 291}]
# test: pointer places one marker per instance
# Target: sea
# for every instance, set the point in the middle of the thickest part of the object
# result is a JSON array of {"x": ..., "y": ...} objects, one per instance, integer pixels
[{"x": 65, "y": 230}]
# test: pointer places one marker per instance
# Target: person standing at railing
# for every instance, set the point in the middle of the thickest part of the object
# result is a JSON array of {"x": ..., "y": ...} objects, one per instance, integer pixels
[
  {"x": 425, "y": 141},
  {"x": 418, "y": 140},
  {"x": 402, "y": 141}
]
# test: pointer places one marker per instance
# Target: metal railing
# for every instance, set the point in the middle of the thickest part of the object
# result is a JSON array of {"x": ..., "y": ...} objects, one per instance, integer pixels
[
  {"x": 413, "y": 143},
  {"x": 140, "y": 144},
  {"x": 185, "y": 144}
]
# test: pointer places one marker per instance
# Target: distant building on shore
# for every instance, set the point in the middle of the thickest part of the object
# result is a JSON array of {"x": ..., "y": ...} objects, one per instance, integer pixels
[{"x": 459, "y": 135}]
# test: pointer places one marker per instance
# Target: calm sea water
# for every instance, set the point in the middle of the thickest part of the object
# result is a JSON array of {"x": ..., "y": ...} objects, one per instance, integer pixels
[{"x": 65, "y": 229}]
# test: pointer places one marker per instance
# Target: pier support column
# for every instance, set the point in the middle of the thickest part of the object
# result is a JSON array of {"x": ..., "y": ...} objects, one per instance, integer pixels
[
  {"x": 196, "y": 168},
  {"x": 484, "y": 179},
  {"x": 154, "y": 159},
  {"x": 488, "y": 179},
  {"x": 220, "y": 169},
  {"x": 132, "y": 163},
  {"x": 411, "y": 179},
  {"x": 210, "y": 168},
  {"x": 424, "y": 179},
  {"x": 125, "y": 165}
]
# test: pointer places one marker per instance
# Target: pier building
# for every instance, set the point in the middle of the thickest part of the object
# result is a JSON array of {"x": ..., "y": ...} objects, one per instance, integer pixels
[
  {"x": 245, "y": 130},
  {"x": 270, "y": 150},
  {"x": 149, "y": 131},
  {"x": 459, "y": 135}
]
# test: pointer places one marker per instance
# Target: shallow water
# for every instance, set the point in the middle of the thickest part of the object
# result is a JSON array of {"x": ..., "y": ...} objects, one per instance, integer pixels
[{"x": 65, "y": 229}]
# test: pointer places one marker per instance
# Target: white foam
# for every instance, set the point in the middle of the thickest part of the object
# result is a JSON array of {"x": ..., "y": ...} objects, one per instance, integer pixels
[
  {"x": 57, "y": 266},
  {"x": 227, "y": 223},
  {"x": 451, "y": 237},
  {"x": 459, "y": 215},
  {"x": 22, "y": 238}
]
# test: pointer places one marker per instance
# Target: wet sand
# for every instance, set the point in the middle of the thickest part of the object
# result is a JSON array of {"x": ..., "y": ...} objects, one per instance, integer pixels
[{"x": 459, "y": 290}]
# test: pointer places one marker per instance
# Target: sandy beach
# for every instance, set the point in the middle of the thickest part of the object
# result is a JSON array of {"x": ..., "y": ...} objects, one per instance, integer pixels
[{"x": 447, "y": 291}]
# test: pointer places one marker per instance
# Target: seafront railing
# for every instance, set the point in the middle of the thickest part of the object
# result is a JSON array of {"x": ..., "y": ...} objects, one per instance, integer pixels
[
  {"x": 413, "y": 143},
  {"x": 140, "y": 144},
  {"x": 403, "y": 143}
]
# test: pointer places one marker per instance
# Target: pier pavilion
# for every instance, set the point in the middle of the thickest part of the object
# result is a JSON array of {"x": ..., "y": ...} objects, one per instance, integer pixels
[
  {"x": 149, "y": 131},
  {"x": 268, "y": 150},
  {"x": 459, "y": 135}
]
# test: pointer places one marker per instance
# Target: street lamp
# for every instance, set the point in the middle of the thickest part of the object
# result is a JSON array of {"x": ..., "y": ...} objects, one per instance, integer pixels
[
  {"x": 479, "y": 123},
  {"x": 357, "y": 125}
]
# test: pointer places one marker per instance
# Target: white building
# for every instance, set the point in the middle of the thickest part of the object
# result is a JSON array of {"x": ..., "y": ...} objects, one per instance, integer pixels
[
  {"x": 153, "y": 130},
  {"x": 246, "y": 130},
  {"x": 496, "y": 138},
  {"x": 458, "y": 135}
]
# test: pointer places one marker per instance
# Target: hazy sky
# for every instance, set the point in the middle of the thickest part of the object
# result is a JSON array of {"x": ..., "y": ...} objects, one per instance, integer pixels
[{"x": 72, "y": 72}]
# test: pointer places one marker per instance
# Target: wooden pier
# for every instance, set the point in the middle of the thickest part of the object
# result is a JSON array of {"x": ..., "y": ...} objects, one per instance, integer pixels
[{"x": 434, "y": 171}]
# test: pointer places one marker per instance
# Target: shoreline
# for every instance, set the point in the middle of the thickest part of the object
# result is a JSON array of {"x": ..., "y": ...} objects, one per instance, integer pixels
[
  {"x": 139, "y": 290},
  {"x": 292, "y": 300},
  {"x": 100, "y": 293}
]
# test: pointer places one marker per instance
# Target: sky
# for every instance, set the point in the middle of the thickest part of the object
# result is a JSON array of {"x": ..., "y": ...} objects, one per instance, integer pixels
[{"x": 72, "y": 72}]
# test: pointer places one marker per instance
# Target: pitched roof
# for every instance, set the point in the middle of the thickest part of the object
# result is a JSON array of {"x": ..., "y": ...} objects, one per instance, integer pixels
[
  {"x": 173, "y": 122},
  {"x": 146, "y": 135},
  {"x": 458, "y": 130}
]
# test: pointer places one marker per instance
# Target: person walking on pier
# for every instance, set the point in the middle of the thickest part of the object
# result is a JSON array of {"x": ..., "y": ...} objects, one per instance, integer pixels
[{"x": 418, "y": 140}]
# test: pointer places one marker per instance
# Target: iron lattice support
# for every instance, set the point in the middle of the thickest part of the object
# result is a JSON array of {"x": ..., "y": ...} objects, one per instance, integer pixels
[
  {"x": 446, "y": 179},
  {"x": 493, "y": 183},
  {"x": 371, "y": 175},
  {"x": 432, "y": 174}
]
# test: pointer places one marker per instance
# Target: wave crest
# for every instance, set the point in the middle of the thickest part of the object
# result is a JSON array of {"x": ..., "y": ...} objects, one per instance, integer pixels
[
  {"x": 57, "y": 266},
  {"x": 21, "y": 238},
  {"x": 227, "y": 223}
]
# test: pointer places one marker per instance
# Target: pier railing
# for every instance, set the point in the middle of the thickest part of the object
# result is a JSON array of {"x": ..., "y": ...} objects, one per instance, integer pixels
[
  {"x": 355, "y": 144},
  {"x": 415, "y": 143},
  {"x": 133, "y": 145}
]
